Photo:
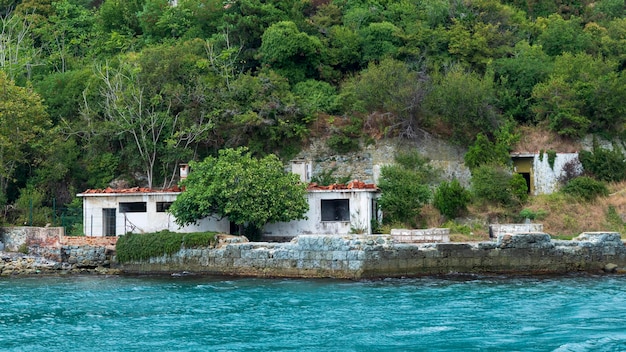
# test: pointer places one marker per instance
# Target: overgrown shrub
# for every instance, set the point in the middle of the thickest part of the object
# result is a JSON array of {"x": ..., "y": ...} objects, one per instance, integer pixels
[
  {"x": 327, "y": 178},
  {"x": 532, "y": 214},
  {"x": 604, "y": 164},
  {"x": 451, "y": 199},
  {"x": 346, "y": 138},
  {"x": 586, "y": 188},
  {"x": 143, "y": 246},
  {"x": 519, "y": 188},
  {"x": 484, "y": 152},
  {"x": 405, "y": 189},
  {"x": 31, "y": 209},
  {"x": 492, "y": 184}
]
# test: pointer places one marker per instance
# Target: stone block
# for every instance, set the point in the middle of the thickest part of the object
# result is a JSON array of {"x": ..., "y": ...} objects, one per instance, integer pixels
[{"x": 525, "y": 240}]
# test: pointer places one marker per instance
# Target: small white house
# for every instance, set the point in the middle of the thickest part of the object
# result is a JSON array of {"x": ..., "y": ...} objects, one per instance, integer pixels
[
  {"x": 332, "y": 210},
  {"x": 114, "y": 212}
]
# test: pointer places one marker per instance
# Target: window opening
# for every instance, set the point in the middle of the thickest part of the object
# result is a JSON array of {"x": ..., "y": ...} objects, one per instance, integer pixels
[
  {"x": 335, "y": 210},
  {"x": 162, "y": 207},
  {"x": 133, "y": 207}
]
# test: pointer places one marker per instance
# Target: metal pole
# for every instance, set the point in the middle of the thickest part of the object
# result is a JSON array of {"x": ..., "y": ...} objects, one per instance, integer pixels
[{"x": 54, "y": 211}]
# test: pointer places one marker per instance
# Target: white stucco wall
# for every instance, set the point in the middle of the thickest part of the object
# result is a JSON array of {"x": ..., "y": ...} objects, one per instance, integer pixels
[
  {"x": 149, "y": 221},
  {"x": 360, "y": 215},
  {"x": 546, "y": 179},
  {"x": 360, "y": 204}
]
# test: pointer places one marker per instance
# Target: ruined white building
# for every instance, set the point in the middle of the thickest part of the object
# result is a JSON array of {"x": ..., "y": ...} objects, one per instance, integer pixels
[
  {"x": 332, "y": 210},
  {"x": 542, "y": 170}
]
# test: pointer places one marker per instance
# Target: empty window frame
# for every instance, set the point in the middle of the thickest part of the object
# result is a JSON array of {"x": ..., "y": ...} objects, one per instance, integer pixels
[
  {"x": 162, "y": 207},
  {"x": 133, "y": 207},
  {"x": 335, "y": 210}
]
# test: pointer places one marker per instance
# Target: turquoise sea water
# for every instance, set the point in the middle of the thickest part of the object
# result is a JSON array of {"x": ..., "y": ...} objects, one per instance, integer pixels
[{"x": 91, "y": 313}]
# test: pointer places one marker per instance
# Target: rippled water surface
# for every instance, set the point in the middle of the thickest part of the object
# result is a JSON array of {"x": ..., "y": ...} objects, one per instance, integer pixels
[{"x": 217, "y": 314}]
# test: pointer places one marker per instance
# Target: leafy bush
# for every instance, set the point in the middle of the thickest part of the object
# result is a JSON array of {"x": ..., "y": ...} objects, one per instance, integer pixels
[
  {"x": 484, "y": 152},
  {"x": 327, "y": 178},
  {"x": 342, "y": 143},
  {"x": 519, "y": 188},
  {"x": 31, "y": 209},
  {"x": 316, "y": 96},
  {"x": 586, "y": 188},
  {"x": 405, "y": 189},
  {"x": 451, "y": 199},
  {"x": 493, "y": 184},
  {"x": 532, "y": 214},
  {"x": 134, "y": 246},
  {"x": 604, "y": 164},
  {"x": 346, "y": 138}
]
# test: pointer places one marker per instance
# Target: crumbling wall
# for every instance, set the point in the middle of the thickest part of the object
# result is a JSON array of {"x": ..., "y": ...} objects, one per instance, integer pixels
[{"x": 15, "y": 237}]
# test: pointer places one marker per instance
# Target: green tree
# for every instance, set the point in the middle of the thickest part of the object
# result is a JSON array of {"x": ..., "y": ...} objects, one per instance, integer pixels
[
  {"x": 559, "y": 35},
  {"x": 465, "y": 102},
  {"x": 484, "y": 152},
  {"x": 389, "y": 88},
  {"x": 495, "y": 184},
  {"x": 404, "y": 189},
  {"x": 246, "y": 190},
  {"x": 557, "y": 106},
  {"x": 155, "y": 104},
  {"x": 516, "y": 76},
  {"x": 293, "y": 54},
  {"x": 17, "y": 52},
  {"x": 262, "y": 113},
  {"x": 380, "y": 40},
  {"x": 451, "y": 199},
  {"x": 23, "y": 126},
  {"x": 66, "y": 35}
]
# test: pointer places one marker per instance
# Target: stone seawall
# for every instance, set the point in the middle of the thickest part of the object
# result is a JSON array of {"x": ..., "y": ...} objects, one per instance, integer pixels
[
  {"x": 376, "y": 256},
  {"x": 352, "y": 256}
]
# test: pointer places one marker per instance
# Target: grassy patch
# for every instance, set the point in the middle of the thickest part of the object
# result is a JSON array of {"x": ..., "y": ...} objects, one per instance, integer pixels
[{"x": 134, "y": 246}]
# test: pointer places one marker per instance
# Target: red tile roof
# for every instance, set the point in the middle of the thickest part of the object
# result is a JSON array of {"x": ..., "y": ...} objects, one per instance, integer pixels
[
  {"x": 356, "y": 184},
  {"x": 132, "y": 190}
]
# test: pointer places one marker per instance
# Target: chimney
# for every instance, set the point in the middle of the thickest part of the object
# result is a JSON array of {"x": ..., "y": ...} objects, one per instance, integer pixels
[{"x": 184, "y": 171}]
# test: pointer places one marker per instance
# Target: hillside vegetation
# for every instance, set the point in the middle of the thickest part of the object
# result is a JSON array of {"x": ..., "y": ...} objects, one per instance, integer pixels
[{"x": 101, "y": 91}]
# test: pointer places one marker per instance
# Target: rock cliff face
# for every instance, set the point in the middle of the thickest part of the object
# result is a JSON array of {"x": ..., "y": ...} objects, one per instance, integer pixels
[
  {"x": 365, "y": 164},
  {"x": 376, "y": 256}
]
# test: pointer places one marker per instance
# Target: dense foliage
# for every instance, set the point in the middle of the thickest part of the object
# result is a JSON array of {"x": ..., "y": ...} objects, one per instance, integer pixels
[
  {"x": 586, "y": 188},
  {"x": 604, "y": 164},
  {"x": 496, "y": 185},
  {"x": 97, "y": 90},
  {"x": 247, "y": 190},
  {"x": 451, "y": 199},
  {"x": 134, "y": 246},
  {"x": 405, "y": 189}
]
